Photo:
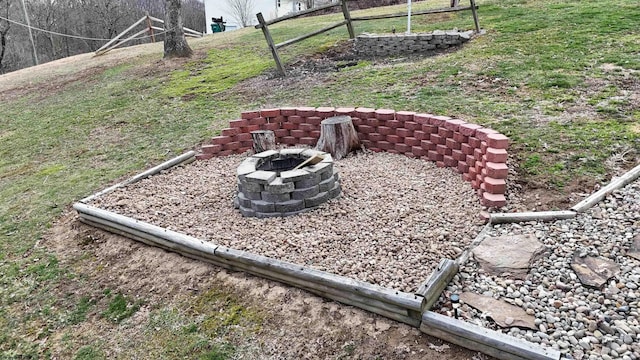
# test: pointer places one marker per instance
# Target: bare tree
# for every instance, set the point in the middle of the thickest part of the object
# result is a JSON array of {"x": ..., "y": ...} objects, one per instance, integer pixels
[
  {"x": 241, "y": 11},
  {"x": 175, "y": 45}
]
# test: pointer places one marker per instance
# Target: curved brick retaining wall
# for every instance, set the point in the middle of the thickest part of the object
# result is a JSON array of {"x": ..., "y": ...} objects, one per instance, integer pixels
[
  {"x": 476, "y": 152},
  {"x": 371, "y": 45}
]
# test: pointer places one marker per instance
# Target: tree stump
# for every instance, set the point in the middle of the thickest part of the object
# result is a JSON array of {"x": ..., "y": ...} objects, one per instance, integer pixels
[
  {"x": 338, "y": 136},
  {"x": 263, "y": 140}
]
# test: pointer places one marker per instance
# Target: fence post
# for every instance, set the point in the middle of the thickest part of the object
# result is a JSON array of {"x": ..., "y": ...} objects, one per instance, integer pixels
[
  {"x": 475, "y": 15},
  {"x": 272, "y": 46},
  {"x": 347, "y": 17}
]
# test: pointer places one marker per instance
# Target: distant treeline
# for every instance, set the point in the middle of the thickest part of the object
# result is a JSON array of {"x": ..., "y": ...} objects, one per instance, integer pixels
[{"x": 100, "y": 19}]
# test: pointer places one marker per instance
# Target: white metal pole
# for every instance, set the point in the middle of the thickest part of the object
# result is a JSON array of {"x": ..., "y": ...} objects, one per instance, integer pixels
[
  {"x": 408, "y": 16},
  {"x": 34, "y": 54}
]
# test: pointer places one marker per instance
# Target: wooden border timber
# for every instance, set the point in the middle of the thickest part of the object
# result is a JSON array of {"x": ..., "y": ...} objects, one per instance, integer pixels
[
  {"x": 295, "y": 15},
  {"x": 490, "y": 342},
  {"x": 431, "y": 289}
]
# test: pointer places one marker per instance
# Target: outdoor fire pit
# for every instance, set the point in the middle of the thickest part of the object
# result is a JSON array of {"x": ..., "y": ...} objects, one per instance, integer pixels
[{"x": 285, "y": 182}]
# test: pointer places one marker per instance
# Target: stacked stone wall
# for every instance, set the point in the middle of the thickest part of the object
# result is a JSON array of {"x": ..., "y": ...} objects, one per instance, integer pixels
[
  {"x": 374, "y": 45},
  {"x": 479, "y": 154}
]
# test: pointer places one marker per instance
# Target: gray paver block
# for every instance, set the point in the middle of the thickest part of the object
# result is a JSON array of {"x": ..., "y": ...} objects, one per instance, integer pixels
[
  {"x": 294, "y": 175},
  {"x": 327, "y": 184},
  {"x": 317, "y": 200},
  {"x": 335, "y": 191},
  {"x": 301, "y": 194},
  {"x": 292, "y": 152},
  {"x": 312, "y": 180},
  {"x": 261, "y": 177},
  {"x": 247, "y": 211},
  {"x": 279, "y": 187},
  {"x": 243, "y": 201},
  {"x": 289, "y": 206},
  {"x": 271, "y": 197},
  {"x": 265, "y": 154},
  {"x": 251, "y": 195},
  {"x": 263, "y": 206},
  {"x": 250, "y": 186}
]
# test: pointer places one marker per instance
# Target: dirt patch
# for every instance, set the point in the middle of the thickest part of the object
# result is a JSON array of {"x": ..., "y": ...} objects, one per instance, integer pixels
[{"x": 299, "y": 325}]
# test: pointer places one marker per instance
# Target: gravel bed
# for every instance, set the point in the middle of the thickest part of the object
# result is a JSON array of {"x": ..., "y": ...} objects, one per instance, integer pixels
[
  {"x": 396, "y": 217},
  {"x": 583, "y": 323}
]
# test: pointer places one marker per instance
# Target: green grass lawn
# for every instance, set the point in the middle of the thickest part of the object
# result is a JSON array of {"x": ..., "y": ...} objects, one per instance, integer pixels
[{"x": 560, "y": 78}]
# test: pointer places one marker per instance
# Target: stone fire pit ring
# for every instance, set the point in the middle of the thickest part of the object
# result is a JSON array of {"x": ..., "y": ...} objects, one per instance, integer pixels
[{"x": 269, "y": 186}]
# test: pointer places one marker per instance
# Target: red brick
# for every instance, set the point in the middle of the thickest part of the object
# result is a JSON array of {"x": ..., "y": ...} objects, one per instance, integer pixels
[
  {"x": 308, "y": 140},
  {"x": 410, "y": 154},
  {"x": 306, "y": 111},
  {"x": 445, "y": 133},
  {"x": 287, "y": 111},
  {"x": 452, "y": 144},
  {"x": 364, "y": 113},
  {"x": 211, "y": 149},
  {"x": 466, "y": 176},
  {"x": 356, "y": 121},
  {"x": 394, "y": 139},
  {"x": 466, "y": 149},
  {"x": 422, "y": 119},
  {"x": 479, "y": 178},
  {"x": 497, "y": 141},
  {"x": 376, "y": 137},
  {"x": 434, "y": 156},
  {"x": 257, "y": 121},
  {"x": 474, "y": 142},
  {"x": 373, "y": 122},
  {"x": 244, "y": 137},
  {"x": 250, "y": 114},
  {"x": 204, "y": 156},
  {"x": 289, "y": 140},
  {"x": 386, "y": 114},
  {"x": 290, "y": 126},
  {"x": 402, "y": 148},
  {"x": 472, "y": 172},
  {"x": 238, "y": 123},
  {"x": 495, "y": 186},
  {"x": 230, "y": 131},
  {"x": 411, "y": 141},
  {"x": 394, "y": 124},
  {"x": 281, "y": 132},
  {"x": 221, "y": 140},
  {"x": 493, "y": 200},
  {"x": 468, "y": 129},
  {"x": 484, "y": 146},
  {"x": 234, "y": 145},
  {"x": 271, "y": 126},
  {"x": 295, "y": 119},
  {"x": 463, "y": 168},
  {"x": 471, "y": 160},
  {"x": 308, "y": 127},
  {"x": 366, "y": 129},
  {"x": 496, "y": 155},
  {"x": 437, "y": 139},
  {"x": 393, "y": 151},
  {"x": 420, "y": 135},
  {"x": 402, "y": 132},
  {"x": 440, "y": 164},
  {"x": 314, "y": 134},
  {"x": 385, "y": 145},
  {"x": 430, "y": 129},
  {"x": 251, "y": 128},
  {"x": 438, "y": 120},
  {"x": 418, "y": 151},
  {"x": 325, "y": 112},
  {"x": 268, "y": 113},
  {"x": 497, "y": 170},
  {"x": 363, "y": 136},
  {"x": 384, "y": 130},
  {"x": 475, "y": 184},
  {"x": 375, "y": 149},
  {"x": 410, "y": 125},
  {"x": 453, "y": 124},
  {"x": 449, "y": 161},
  {"x": 477, "y": 153},
  {"x": 298, "y": 133},
  {"x": 225, "y": 152},
  {"x": 443, "y": 150},
  {"x": 348, "y": 111},
  {"x": 458, "y": 155},
  {"x": 457, "y": 136},
  {"x": 405, "y": 115},
  {"x": 427, "y": 145},
  {"x": 482, "y": 133},
  {"x": 313, "y": 120}
]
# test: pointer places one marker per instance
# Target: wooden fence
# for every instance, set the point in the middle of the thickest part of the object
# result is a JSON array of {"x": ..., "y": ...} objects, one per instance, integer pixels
[{"x": 348, "y": 22}]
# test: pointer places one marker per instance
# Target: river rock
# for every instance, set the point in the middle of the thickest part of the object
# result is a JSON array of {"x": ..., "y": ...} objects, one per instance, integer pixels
[{"x": 508, "y": 254}]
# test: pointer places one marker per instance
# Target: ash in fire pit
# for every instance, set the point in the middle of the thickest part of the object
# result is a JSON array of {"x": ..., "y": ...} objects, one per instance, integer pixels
[{"x": 269, "y": 184}]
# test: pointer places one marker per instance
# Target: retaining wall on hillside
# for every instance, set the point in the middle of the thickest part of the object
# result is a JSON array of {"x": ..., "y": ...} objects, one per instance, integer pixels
[
  {"x": 476, "y": 152},
  {"x": 372, "y": 45}
]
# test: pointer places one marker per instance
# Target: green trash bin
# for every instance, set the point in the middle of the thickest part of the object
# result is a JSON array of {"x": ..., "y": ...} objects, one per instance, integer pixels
[{"x": 217, "y": 25}]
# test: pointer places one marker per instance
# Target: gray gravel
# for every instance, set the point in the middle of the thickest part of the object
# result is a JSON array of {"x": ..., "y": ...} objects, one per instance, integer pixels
[
  {"x": 396, "y": 217},
  {"x": 583, "y": 323}
]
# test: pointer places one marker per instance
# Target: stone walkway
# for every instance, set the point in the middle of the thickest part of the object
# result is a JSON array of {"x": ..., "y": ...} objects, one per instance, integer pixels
[{"x": 584, "y": 320}]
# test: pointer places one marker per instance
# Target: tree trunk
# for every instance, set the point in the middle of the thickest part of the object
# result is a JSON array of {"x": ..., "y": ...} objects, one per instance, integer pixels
[
  {"x": 175, "y": 45},
  {"x": 263, "y": 140},
  {"x": 338, "y": 136}
]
